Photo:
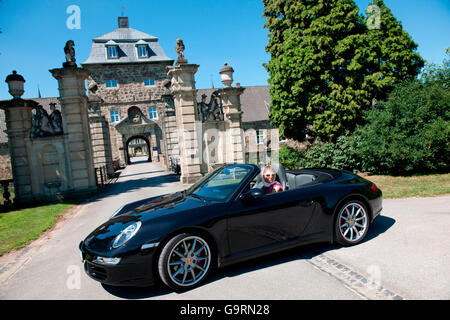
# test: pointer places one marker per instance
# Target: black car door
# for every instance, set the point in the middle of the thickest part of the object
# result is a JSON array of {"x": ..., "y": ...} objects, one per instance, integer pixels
[{"x": 272, "y": 219}]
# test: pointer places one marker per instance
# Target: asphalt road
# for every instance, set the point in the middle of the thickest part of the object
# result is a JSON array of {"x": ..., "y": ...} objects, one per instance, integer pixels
[{"x": 405, "y": 256}]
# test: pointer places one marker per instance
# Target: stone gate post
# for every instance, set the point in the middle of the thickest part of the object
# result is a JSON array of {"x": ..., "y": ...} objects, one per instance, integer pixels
[
  {"x": 184, "y": 97},
  {"x": 74, "y": 109},
  {"x": 18, "y": 124},
  {"x": 231, "y": 103}
]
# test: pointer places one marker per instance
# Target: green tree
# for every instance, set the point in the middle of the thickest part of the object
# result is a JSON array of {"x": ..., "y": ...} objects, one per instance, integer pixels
[
  {"x": 397, "y": 58},
  {"x": 409, "y": 132},
  {"x": 326, "y": 66}
]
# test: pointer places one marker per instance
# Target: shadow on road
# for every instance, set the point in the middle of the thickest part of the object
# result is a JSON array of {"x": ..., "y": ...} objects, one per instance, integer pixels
[
  {"x": 120, "y": 187},
  {"x": 380, "y": 226}
]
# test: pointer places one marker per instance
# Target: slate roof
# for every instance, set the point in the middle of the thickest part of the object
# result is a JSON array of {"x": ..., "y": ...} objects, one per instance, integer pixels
[
  {"x": 126, "y": 39},
  {"x": 255, "y": 102},
  {"x": 125, "y": 34}
]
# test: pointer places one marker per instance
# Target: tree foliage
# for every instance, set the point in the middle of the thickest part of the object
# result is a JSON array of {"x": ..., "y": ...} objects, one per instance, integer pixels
[
  {"x": 410, "y": 131},
  {"x": 326, "y": 66}
]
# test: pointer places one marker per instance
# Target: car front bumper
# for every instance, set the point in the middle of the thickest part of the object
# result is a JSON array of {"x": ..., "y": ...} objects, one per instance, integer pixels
[{"x": 134, "y": 269}]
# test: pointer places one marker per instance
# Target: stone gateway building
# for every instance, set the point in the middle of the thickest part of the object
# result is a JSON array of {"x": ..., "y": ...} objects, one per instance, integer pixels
[{"x": 141, "y": 102}]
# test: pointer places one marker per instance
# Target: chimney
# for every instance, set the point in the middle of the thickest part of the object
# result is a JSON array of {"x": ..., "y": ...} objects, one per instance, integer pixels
[{"x": 123, "y": 22}]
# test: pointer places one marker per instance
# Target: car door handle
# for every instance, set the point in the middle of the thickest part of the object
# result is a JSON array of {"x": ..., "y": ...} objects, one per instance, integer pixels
[{"x": 306, "y": 203}]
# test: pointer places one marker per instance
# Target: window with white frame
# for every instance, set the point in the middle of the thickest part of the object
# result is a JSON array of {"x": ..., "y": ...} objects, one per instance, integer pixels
[
  {"x": 152, "y": 114},
  {"x": 259, "y": 136},
  {"x": 113, "y": 52},
  {"x": 114, "y": 115},
  {"x": 149, "y": 82},
  {"x": 142, "y": 51},
  {"x": 111, "y": 83}
]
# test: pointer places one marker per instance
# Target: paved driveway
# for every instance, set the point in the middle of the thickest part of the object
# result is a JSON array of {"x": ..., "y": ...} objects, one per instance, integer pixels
[{"x": 406, "y": 256}]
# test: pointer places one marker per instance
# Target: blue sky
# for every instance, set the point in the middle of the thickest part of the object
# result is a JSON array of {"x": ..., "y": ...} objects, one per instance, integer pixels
[{"x": 34, "y": 33}]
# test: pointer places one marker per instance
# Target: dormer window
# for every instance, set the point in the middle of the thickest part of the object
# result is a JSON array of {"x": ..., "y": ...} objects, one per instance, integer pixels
[
  {"x": 149, "y": 82},
  {"x": 113, "y": 52},
  {"x": 142, "y": 51},
  {"x": 111, "y": 83}
]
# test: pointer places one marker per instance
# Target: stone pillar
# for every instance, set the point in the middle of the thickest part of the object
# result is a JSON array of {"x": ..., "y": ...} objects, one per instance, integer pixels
[
  {"x": 74, "y": 111},
  {"x": 101, "y": 140},
  {"x": 18, "y": 124},
  {"x": 170, "y": 132},
  {"x": 184, "y": 96},
  {"x": 231, "y": 102}
]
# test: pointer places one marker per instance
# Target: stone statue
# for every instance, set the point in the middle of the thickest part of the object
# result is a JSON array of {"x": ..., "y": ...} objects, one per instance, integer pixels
[
  {"x": 56, "y": 119},
  {"x": 41, "y": 125},
  {"x": 180, "y": 50},
  {"x": 213, "y": 110},
  {"x": 135, "y": 115},
  {"x": 69, "y": 51}
]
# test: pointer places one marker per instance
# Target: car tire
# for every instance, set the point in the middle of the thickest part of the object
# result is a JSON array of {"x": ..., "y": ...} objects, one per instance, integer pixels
[
  {"x": 185, "y": 261},
  {"x": 352, "y": 223}
]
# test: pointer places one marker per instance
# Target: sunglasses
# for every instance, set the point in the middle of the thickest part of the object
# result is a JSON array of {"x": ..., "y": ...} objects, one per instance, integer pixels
[{"x": 269, "y": 175}]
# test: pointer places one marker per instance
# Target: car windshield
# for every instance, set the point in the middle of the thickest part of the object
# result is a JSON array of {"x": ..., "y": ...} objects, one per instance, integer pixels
[{"x": 220, "y": 184}]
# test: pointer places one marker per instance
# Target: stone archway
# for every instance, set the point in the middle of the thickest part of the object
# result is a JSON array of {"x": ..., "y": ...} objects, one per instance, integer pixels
[
  {"x": 136, "y": 126},
  {"x": 127, "y": 147}
]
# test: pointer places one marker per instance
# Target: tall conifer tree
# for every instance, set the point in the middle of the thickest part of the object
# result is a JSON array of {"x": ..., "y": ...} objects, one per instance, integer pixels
[{"x": 326, "y": 66}]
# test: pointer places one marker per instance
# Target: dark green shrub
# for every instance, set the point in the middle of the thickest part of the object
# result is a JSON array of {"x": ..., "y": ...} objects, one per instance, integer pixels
[
  {"x": 339, "y": 155},
  {"x": 409, "y": 132},
  {"x": 290, "y": 158}
]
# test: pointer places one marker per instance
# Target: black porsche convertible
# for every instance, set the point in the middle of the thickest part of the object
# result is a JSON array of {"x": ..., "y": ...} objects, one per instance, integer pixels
[{"x": 225, "y": 218}]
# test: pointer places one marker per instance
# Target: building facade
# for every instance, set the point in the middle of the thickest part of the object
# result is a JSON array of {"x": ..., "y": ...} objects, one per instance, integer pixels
[
  {"x": 135, "y": 108},
  {"x": 129, "y": 84}
]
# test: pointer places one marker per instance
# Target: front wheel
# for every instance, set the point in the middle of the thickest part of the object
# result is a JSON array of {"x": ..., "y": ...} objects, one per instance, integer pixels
[
  {"x": 352, "y": 223},
  {"x": 185, "y": 261}
]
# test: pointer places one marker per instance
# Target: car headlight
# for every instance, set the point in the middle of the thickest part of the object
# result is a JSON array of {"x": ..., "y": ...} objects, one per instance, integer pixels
[{"x": 126, "y": 234}]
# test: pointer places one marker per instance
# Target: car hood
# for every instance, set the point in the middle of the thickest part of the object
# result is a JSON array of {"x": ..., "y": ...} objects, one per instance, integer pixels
[{"x": 152, "y": 212}]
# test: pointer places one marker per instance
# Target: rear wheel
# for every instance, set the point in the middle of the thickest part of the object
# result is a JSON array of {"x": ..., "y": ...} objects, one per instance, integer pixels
[
  {"x": 185, "y": 261},
  {"x": 352, "y": 223}
]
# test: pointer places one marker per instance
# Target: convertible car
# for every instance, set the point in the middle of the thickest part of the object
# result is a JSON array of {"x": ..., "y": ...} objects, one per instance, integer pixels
[{"x": 226, "y": 218}]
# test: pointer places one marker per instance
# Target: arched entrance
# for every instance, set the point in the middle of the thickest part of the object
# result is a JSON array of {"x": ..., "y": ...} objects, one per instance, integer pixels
[
  {"x": 138, "y": 148},
  {"x": 139, "y": 135}
]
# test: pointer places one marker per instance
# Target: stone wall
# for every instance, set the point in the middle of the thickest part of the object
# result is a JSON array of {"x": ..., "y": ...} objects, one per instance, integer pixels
[
  {"x": 130, "y": 81},
  {"x": 265, "y": 152},
  {"x": 130, "y": 92},
  {"x": 5, "y": 162}
]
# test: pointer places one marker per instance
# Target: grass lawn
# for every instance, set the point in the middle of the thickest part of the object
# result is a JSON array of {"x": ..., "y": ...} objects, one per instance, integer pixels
[
  {"x": 413, "y": 186},
  {"x": 20, "y": 227}
]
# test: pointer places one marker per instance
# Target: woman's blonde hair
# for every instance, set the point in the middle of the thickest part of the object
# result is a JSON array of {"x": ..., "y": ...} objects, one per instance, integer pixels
[{"x": 267, "y": 168}]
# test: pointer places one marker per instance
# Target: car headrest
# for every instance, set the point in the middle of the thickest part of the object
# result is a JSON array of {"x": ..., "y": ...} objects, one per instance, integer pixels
[{"x": 281, "y": 173}]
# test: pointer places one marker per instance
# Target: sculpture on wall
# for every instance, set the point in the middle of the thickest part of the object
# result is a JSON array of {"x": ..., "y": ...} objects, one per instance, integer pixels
[
  {"x": 135, "y": 115},
  {"x": 69, "y": 51},
  {"x": 56, "y": 119},
  {"x": 45, "y": 125},
  {"x": 213, "y": 110},
  {"x": 41, "y": 123}
]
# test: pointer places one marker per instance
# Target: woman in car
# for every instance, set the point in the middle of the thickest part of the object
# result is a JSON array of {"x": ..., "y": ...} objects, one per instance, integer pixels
[{"x": 269, "y": 183}]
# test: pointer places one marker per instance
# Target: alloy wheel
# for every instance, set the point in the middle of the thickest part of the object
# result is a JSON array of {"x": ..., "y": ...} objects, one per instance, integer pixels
[
  {"x": 189, "y": 261},
  {"x": 353, "y": 222}
]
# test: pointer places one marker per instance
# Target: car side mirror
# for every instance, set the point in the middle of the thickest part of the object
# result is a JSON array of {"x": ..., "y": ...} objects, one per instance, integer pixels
[{"x": 254, "y": 193}]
